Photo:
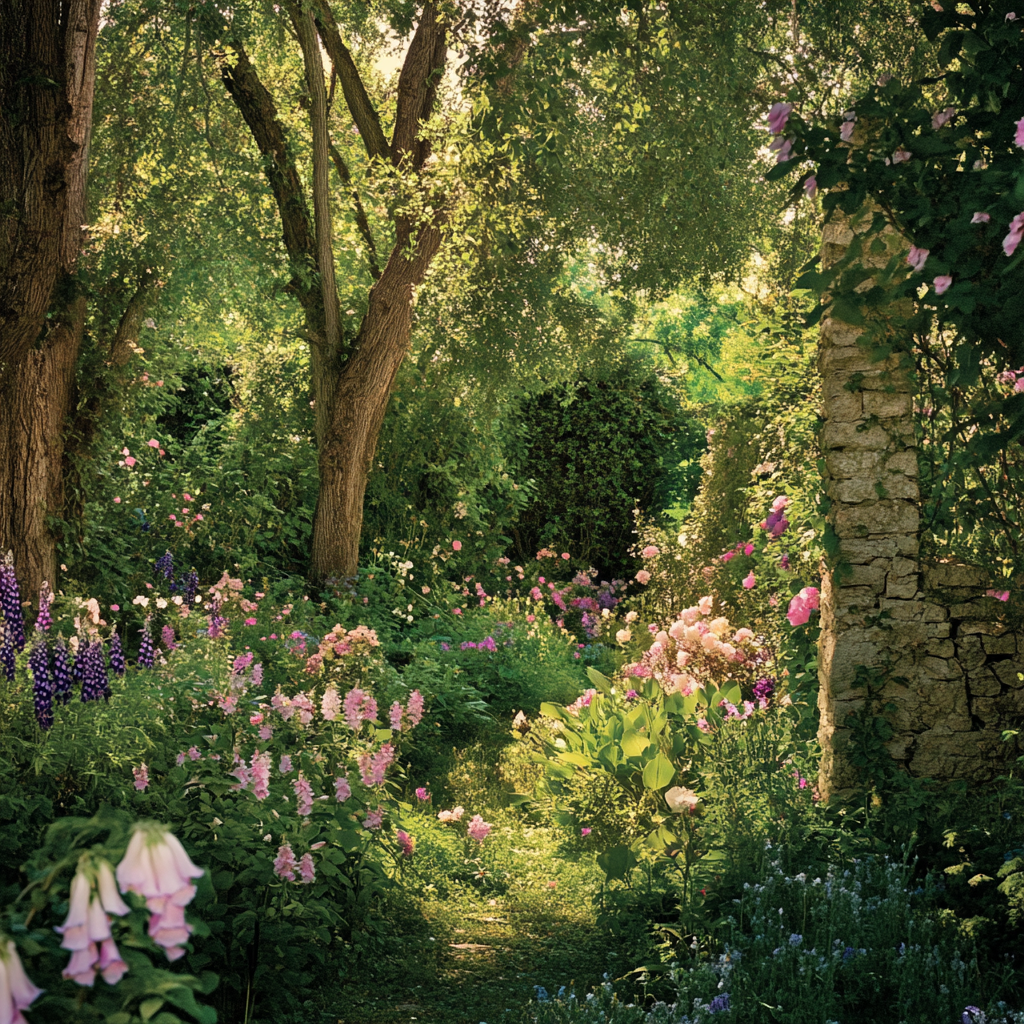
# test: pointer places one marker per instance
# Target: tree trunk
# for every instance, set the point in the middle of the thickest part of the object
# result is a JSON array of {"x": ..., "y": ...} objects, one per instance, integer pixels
[
  {"x": 37, "y": 399},
  {"x": 47, "y": 79},
  {"x": 360, "y": 401}
]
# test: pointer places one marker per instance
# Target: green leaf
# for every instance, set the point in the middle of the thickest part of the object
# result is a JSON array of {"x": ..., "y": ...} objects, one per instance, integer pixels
[
  {"x": 150, "y": 1006},
  {"x": 600, "y": 681},
  {"x": 617, "y": 862},
  {"x": 634, "y": 744},
  {"x": 659, "y": 772}
]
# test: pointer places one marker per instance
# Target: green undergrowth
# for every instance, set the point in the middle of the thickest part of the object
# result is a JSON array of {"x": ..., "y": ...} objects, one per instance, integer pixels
[{"x": 473, "y": 928}]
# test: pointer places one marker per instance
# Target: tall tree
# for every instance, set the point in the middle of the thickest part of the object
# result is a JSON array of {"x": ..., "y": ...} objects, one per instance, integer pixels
[{"x": 47, "y": 82}]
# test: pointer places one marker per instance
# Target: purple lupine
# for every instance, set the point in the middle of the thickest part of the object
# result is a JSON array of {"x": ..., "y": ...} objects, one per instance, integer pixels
[
  {"x": 117, "y": 665},
  {"x": 42, "y": 684},
  {"x": 7, "y": 655},
  {"x": 94, "y": 671},
  {"x": 61, "y": 672},
  {"x": 145, "y": 658},
  {"x": 217, "y": 621},
  {"x": 764, "y": 688},
  {"x": 191, "y": 587},
  {"x": 165, "y": 566},
  {"x": 10, "y": 604},
  {"x": 44, "y": 620}
]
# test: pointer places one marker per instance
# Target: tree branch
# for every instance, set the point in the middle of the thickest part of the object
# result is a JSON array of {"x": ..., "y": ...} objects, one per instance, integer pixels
[
  {"x": 306, "y": 32},
  {"x": 361, "y": 219},
  {"x": 359, "y": 105},
  {"x": 418, "y": 82}
]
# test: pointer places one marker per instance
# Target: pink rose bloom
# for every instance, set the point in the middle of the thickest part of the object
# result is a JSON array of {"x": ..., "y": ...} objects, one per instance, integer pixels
[
  {"x": 129, "y": 462},
  {"x": 250, "y": 622},
  {"x": 1012, "y": 240},
  {"x": 917, "y": 257},
  {"x": 705, "y": 605},
  {"x": 650, "y": 551},
  {"x": 117, "y": 501},
  {"x": 749, "y": 581},
  {"x": 565, "y": 555},
  {"x": 643, "y": 576},
  {"x": 942, "y": 283},
  {"x": 153, "y": 444},
  {"x": 456, "y": 545},
  {"x": 478, "y": 829}
]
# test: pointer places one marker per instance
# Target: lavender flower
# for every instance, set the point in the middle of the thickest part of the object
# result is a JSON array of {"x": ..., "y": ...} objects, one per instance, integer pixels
[
  {"x": 10, "y": 604},
  {"x": 117, "y": 665},
  {"x": 42, "y": 685},
  {"x": 145, "y": 659},
  {"x": 764, "y": 688},
  {"x": 720, "y": 1004},
  {"x": 61, "y": 672}
]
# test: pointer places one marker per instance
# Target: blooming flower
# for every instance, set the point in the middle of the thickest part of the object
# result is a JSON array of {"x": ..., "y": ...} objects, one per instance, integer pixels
[
  {"x": 157, "y": 866},
  {"x": 750, "y": 580},
  {"x": 680, "y": 800},
  {"x": 303, "y": 796},
  {"x": 942, "y": 283},
  {"x": 1012, "y": 240},
  {"x": 801, "y": 606},
  {"x": 17, "y": 993},
  {"x": 453, "y": 815},
  {"x": 414, "y": 708},
  {"x": 374, "y": 819},
  {"x": 981, "y": 218},
  {"x": 286, "y": 764},
  {"x": 643, "y": 576},
  {"x": 395, "y": 716},
  {"x": 478, "y": 829},
  {"x": 456, "y": 545},
  {"x": 917, "y": 257},
  {"x": 778, "y": 116},
  {"x": 259, "y": 771},
  {"x": 307, "y": 872},
  {"x": 650, "y": 551},
  {"x": 943, "y": 117},
  {"x": 141, "y": 776},
  {"x": 284, "y": 862},
  {"x": 422, "y": 794},
  {"x": 1018, "y": 138},
  {"x": 406, "y": 843},
  {"x": 585, "y": 831}
]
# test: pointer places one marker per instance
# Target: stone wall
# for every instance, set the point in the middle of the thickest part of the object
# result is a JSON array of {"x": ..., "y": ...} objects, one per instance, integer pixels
[{"x": 949, "y": 664}]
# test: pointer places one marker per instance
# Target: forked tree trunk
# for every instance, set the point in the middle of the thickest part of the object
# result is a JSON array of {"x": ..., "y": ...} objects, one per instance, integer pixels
[{"x": 360, "y": 401}]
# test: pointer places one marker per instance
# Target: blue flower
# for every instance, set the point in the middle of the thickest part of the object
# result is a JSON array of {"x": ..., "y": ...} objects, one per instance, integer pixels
[
  {"x": 542, "y": 993},
  {"x": 720, "y": 1004},
  {"x": 795, "y": 940}
]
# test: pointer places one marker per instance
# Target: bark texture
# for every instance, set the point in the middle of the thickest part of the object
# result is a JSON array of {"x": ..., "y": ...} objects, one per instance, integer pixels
[{"x": 47, "y": 79}]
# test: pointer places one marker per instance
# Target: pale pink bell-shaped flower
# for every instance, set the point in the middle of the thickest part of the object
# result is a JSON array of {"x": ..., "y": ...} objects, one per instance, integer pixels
[
  {"x": 99, "y": 923},
  {"x": 81, "y": 968},
  {"x": 109, "y": 896},
  {"x": 75, "y": 929},
  {"x": 17, "y": 992},
  {"x": 112, "y": 967},
  {"x": 942, "y": 283}
]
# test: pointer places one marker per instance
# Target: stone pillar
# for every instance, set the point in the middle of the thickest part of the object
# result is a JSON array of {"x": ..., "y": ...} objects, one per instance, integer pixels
[{"x": 929, "y": 644}]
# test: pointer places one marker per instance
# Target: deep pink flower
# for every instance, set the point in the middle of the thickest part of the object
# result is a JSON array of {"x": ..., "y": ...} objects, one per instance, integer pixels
[
  {"x": 478, "y": 829},
  {"x": 406, "y": 843},
  {"x": 750, "y": 581},
  {"x": 456, "y": 545},
  {"x": 585, "y": 831},
  {"x": 422, "y": 794}
]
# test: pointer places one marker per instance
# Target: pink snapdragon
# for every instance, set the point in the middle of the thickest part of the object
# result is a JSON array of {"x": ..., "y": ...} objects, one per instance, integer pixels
[
  {"x": 259, "y": 770},
  {"x": 303, "y": 796},
  {"x": 307, "y": 872},
  {"x": 141, "y": 776},
  {"x": 414, "y": 708},
  {"x": 359, "y": 707},
  {"x": 374, "y": 819},
  {"x": 286, "y": 764},
  {"x": 330, "y": 704},
  {"x": 395, "y": 716},
  {"x": 406, "y": 843},
  {"x": 342, "y": 790},
  {"x": 284, "y": 862}
]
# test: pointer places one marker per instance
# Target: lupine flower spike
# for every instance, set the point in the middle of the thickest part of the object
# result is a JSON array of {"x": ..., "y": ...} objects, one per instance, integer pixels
[
  {"x": 61, "y": 672},
  {"x": 44, "y": 620},
  {"x": 10, "y": 603},
  {"x": 117, "y": 665},
  {"x": 145, "y": 659},
  {"x": 42, "y": 684},
  {"x": 7, "y": 653}
]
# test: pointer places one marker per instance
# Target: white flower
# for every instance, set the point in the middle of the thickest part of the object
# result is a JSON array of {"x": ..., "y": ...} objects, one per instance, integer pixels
[
  {"x": 681, "y": 800},
  {"x": 140, "y": 599},
  {"x": 161, "y": 602}
]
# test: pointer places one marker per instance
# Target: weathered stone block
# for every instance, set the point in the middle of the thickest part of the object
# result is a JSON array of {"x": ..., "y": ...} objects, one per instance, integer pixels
[
  {"x": 970, "y": 653},
  {"x": 886, "y": 405},
  {"x": 953, "y": 574},
  {"x": 843, "y": 464},
  {"x": 904, "y": 462},
  {"x": 884, "y": 518},
  {"x": 901, "y": 586},
  {"x": 1005, "y": 644},
  {"x": 848, "y": 435},
  {"x": 846, "y": 407},
  {"x": 1008, "y": 671},
  {"x": 980, "y": 628},
  {"x": 983, "y": 683}
]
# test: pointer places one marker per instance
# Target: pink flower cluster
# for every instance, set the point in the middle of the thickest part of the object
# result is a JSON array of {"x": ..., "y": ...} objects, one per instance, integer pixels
[
  {"x": 776, "y": 524},
  {"x": 359, "y": 707},
  {"x": 286, "y": 868},
  {"x": 802, "y": 605},
  {"x": 478, "y": 829},
  {"x": 157, "y": 866},
  {"x": 583, "y": 701},
  {"x": 86, "y": 930}
]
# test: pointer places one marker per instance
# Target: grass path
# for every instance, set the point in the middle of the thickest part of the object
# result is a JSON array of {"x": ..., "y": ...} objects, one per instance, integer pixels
[{"x": 473, "y": 929}]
